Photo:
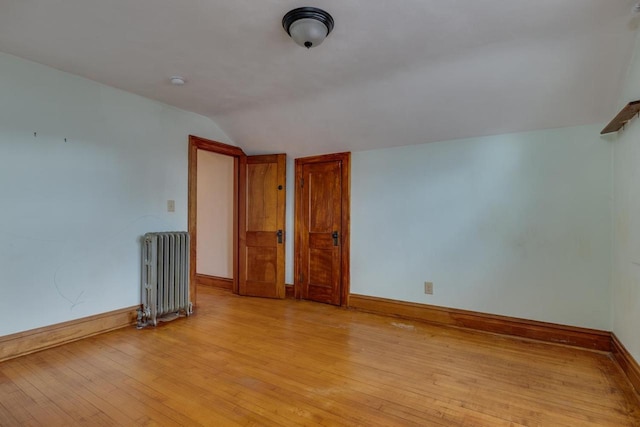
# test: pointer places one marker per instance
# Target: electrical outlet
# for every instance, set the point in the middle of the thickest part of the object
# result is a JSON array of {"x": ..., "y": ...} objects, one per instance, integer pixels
[
  {"x": 171, "y": 205},
  {"x": 428, "y": 288}
]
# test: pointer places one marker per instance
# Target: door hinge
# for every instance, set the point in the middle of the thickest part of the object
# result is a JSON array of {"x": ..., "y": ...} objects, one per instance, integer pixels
[{"x": 301, "y": 182}]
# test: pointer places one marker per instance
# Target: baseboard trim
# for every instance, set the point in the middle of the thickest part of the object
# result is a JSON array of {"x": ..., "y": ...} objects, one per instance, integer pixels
[
  {"x": 626, "y": 361},
  {"x": 22, "y": 343},
  {"x": 548, "y": 332},
  {"x": 215, "y": 282},
  {"x": 289, "y": 291}
]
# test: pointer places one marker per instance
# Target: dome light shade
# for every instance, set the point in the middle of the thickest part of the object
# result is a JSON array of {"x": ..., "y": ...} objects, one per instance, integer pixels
[{"x": 308, "y": 26}]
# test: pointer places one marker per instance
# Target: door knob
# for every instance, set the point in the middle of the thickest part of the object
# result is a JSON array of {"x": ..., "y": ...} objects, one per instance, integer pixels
[
  {"x": 279, "y": 234},
  {"x": 335, "y": 238}
]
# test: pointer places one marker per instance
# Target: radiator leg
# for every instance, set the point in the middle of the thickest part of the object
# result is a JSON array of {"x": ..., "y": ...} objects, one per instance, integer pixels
[{"x": 141, "y": 319}]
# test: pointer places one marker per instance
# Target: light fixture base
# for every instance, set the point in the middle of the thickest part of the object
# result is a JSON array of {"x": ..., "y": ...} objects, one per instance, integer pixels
[{"x": 308, "y": 26}]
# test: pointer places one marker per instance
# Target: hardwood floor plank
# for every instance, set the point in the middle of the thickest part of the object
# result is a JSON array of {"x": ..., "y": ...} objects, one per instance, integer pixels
[
  {"x": 250, "y": 361},
  {"x": 70, "y": 402},
  {"x": 40, "y": 406},
  {"x": 180, "y": 396},
  {"x": 475, "y": 373},
  {"x": 101, "y": 394}
]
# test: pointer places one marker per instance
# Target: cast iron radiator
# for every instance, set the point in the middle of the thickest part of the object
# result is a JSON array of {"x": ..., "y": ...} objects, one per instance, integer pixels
[{"x": 165, "y": 277}]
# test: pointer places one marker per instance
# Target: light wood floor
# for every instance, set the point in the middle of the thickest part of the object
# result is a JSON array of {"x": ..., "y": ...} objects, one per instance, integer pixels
[{"x": 245, "y": 361}]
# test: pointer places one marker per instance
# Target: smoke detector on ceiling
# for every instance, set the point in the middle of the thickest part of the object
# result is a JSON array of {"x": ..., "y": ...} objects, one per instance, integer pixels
[{"x": 176, "y": 80}]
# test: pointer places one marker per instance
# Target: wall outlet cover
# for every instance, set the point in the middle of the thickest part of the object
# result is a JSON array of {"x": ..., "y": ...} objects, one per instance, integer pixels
[{"x": 428, "y": 288}]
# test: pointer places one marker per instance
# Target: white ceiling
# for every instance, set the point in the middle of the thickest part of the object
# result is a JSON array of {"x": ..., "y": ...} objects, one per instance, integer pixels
[{"x": 391, "y": 73}]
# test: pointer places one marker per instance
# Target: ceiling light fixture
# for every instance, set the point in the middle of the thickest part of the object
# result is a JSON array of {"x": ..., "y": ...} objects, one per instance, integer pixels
[
  {"x": 307, "y": 26},
  {"x": 176, "y": 80}
]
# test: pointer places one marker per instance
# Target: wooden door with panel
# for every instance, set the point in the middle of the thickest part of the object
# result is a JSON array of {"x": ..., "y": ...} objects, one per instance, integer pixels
[
  {"x": 322, "y": 206},
  {"x": 262, "y": 225}
]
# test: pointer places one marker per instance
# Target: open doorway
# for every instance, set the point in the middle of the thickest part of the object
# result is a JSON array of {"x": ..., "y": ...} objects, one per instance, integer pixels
[
  {"x": 249, "y": 258},
  {"x": 214, "y": 250},
  {"x": 213, "y": 208}
]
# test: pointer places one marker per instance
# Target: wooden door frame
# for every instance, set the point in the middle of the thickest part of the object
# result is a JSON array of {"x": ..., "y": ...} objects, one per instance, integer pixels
[
  {"x": 345, "y": 260},
  {"x": 197, "y": 143}
]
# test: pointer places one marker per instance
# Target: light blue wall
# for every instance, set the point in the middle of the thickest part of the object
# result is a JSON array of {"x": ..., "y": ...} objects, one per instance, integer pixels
[
  {"x": 626, "y": 253},
  {"x": 517, "y": 225},
  {"x": 72, "y": 212}
]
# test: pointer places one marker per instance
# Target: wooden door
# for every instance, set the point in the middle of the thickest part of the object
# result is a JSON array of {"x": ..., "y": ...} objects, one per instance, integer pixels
[
  {"x": 262, "y": 222},
  {"x": 322, "y": 228}
]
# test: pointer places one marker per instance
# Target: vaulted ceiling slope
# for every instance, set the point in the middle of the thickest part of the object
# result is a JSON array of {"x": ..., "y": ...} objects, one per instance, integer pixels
[{"x": 390, "y": 74}]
